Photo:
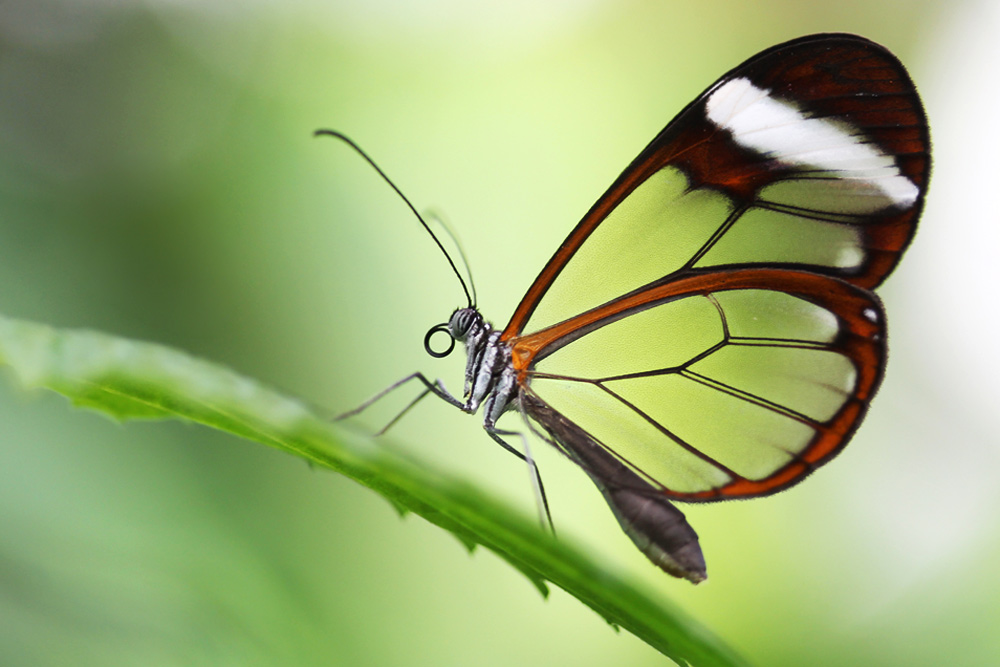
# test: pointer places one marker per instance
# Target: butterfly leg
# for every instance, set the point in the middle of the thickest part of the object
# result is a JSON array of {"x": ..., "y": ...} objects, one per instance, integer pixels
[
  {"x": 436, "y": 388},
  {"x": 536, "y": 478}
]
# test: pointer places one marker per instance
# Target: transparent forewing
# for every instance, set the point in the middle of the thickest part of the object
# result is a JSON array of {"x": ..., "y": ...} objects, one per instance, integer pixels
[
  {"x": 665, "y": 226},
  {"x": 719, "y": 391},
  {"x": 811, "y": 156}
]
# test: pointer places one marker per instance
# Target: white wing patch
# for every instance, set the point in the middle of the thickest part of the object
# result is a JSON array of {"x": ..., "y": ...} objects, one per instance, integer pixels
[{"x": 781, "y": 131}]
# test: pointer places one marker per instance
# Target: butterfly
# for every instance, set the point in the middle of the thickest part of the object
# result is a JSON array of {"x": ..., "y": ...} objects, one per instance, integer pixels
[{"x": 708, "y": 331}]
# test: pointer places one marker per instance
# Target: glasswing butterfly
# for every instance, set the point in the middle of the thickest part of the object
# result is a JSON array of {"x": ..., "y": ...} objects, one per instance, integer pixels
[{"x": 708, "y": 331}]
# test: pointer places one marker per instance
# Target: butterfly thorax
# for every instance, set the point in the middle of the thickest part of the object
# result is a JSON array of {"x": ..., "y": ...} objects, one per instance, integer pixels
[{"x": 489, "y": 374}]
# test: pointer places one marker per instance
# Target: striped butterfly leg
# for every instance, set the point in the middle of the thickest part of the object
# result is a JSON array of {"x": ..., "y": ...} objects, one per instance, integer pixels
[
  {"x": 656, "y": 527},
  {"x": 541, "y": 500},
  {"x": 437, "y": 388}
]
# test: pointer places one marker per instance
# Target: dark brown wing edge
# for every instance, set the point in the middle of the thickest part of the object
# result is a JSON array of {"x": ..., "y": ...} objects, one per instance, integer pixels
[
  {"x": 832, "y": 75},
  {"x": 657, "y": 528}
]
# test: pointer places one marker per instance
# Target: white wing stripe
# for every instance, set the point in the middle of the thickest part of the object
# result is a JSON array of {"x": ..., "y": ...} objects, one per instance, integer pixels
[{"x": 779, "y": 130}]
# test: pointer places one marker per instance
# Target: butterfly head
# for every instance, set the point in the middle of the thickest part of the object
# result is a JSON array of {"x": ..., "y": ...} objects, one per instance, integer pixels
[{"x": 462, "y": 323}]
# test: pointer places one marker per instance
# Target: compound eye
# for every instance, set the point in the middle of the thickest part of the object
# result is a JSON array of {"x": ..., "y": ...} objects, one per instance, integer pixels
[{"x": 461, "y": 322}]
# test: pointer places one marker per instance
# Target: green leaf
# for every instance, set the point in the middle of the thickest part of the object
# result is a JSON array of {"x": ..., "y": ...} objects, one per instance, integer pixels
[{"x": 134, "y": 380}]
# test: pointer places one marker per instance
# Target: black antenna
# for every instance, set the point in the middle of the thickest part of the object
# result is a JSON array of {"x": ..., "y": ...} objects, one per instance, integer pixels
[
  {"x": 439, "y": 219},
  {"x": 357, "y": 149}
]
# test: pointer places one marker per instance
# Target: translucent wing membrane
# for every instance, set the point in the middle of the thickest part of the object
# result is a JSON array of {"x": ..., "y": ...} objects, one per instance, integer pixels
[
  {"x": 709, "y": 321},
  {"x": 712, "y": 391},
  {"x": 812, "y": 155}
]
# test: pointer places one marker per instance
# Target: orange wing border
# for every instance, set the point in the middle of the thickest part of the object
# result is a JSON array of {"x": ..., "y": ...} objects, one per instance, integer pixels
[
  {"x": 835, "y": 75},
  {"x": 860, "y": 337}
]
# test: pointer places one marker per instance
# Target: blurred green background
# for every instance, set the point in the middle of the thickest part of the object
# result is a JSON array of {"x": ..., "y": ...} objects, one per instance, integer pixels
[{"x": 158, "y": 180}]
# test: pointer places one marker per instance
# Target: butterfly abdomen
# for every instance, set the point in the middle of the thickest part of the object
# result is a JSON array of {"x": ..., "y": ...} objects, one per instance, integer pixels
[{"x": 655, "y": 526}]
